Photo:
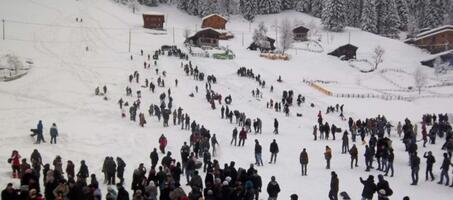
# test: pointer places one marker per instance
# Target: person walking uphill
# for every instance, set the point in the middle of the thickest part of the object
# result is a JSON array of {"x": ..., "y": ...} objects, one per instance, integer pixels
[
  {"x": 274, "y": 150},
  {"x": 53, "y": 134},
  {"x": 275, "y": 126},
  {"x": 328, "y": 156},
  {"x": 273, "y": 189},
  {"x": 415, "y": 167},
  {"x": 303, "y": 161},
  {"x": 258, "y": 150},
  {"x": 242, "y": 137},
  {"x": 334, "y": 186}
]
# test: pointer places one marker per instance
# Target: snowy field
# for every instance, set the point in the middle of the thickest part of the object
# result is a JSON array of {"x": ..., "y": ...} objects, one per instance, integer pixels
[{"x": 60, "y": 89}]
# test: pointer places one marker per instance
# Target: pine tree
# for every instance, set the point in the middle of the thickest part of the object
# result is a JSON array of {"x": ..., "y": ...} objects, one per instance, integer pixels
[
  {"x": 269, "y": 6},
  {"x": 287, "y": 4},
  {"x": 434, "y": 14},
  {"x": 388, "y": 19},
  {"x": 334, "y": 15},
  {"x": 369, "y": 16},
  {"x": 353, "y": 12},
  {"x": 403, "y": 13},
  {"x": 151, "y": 3},
  {"x": 303, "y": 5},
  {"x": 207, "y": 7},
  {"x": 248, "y": 9},
  {"x": 192, "y": 7},
  {"x": 316, "y": 7},
  {"x": 182, "y": 4}
]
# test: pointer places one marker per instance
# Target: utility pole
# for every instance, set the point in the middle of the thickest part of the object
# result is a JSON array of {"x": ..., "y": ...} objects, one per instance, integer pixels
[
  {"x": 242, "y": 38},
  {"x": 173, "y": 34},
  {"x": 3, "y": 30},
  {"x": 349, "y": 39},
  {"x": 129, "y": 40}
]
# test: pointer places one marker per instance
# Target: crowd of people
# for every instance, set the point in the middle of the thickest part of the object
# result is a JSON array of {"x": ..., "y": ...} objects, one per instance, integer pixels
[{"x": 162, "y": 179}]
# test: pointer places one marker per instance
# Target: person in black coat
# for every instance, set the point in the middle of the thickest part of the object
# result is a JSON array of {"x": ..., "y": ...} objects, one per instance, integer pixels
[
  {"x": 9, "y": 193},
  {"x": 122, "y": 193},
  {"x": 83, "y": 171},
  {"x": 120, "y": 169},
  {"x": 415, "y": 168},
  {"x": 274, "y": 150},
  {"x": 257, "y": 183},
  {"x": 369, "y": 188},
  {"x": 445, "y": 167},
  {"x": 258, "y": 150},
  {"x": 430, "y": 160},
  {"x": 273, "y": 189},
  {"x": 383, "y": 188},
  {"x": 154, "y": 156},
  {"x": 334, "y": 186},
  {"x": 303, "y": 159}
]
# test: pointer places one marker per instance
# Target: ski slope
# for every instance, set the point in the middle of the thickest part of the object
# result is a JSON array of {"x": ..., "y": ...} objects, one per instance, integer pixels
[{"x": 60, "y": 89}]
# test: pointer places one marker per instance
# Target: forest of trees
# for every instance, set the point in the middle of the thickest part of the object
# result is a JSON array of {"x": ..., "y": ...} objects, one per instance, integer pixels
[{"x": 384, "y": 17}]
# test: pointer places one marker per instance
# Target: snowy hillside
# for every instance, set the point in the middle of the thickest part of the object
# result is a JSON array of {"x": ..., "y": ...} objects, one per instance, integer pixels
[{"x": 60, "y": 88}]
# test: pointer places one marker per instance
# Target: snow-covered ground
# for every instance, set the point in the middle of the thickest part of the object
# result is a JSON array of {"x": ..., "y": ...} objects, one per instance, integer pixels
[{"x": 60, "y": 89}]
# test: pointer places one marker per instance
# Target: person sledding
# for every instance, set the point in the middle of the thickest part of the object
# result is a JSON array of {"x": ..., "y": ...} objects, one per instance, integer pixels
[{"x": 38, "y": 133}]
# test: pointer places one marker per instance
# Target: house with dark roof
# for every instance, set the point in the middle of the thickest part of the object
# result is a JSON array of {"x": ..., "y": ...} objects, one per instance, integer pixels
[
  {"x": 204, "y": 37},
  {"x": 300, "y": 33},
  {"x": 345, "y": 52},
  {"x": 267, "y": 45},
  {"x": 442, "y": 58},
  {"x": 435, "y": 40}
]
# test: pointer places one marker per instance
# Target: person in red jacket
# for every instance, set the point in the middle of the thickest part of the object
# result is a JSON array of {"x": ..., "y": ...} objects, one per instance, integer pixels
[
  {"x": 162, "y": 143},
  {"x": 242, "y": 137},
  {"x": 15, "y": 163}
]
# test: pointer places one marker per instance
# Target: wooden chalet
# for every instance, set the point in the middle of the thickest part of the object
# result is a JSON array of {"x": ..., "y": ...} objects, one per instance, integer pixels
[
  {"x": 214, "y": 21},
  {"x": 435, "y": 40},
  {"x": 345, "y": 52},
  {"x": 442, "y": 58},
  {"x": 265, "y": 48},
  {"x": 153, "y": 20},
  {"x": 205, "y": 37},
  {"x": 300, "y": 33}
]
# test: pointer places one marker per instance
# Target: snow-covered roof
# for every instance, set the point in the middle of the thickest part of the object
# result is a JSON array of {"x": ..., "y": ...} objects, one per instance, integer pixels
[
  {"x": 204, "y": 29},
  {"x": 208, "y": 16},
  {"x": 153, "y": 13},
  {"x": 433, "y": 31}
]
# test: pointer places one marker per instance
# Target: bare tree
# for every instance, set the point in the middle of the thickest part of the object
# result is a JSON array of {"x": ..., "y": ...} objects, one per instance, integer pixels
[
  {"x": 133, "y": 4},
  {"x": 186, "y": 33},
  {"x": 420, "y": 79},
  {"x": 286, "y": 35},
  {"x": 14, "y": 63},
  {"x": 377, "y": 56}
]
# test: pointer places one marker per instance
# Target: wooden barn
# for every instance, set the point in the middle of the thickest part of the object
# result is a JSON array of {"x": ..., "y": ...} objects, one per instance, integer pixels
[
  {"x": 214, "y": 21},
  {"x": 345, "y": 52},
  {"x": 269, "y": 47},
  {"x": 205, "y": 37},
  {"x": 153, "y": 20},
  {"x": 300, "y": 33},
  {"x": 442, "y": 58},
  {"x": 435, "y": 40}
]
